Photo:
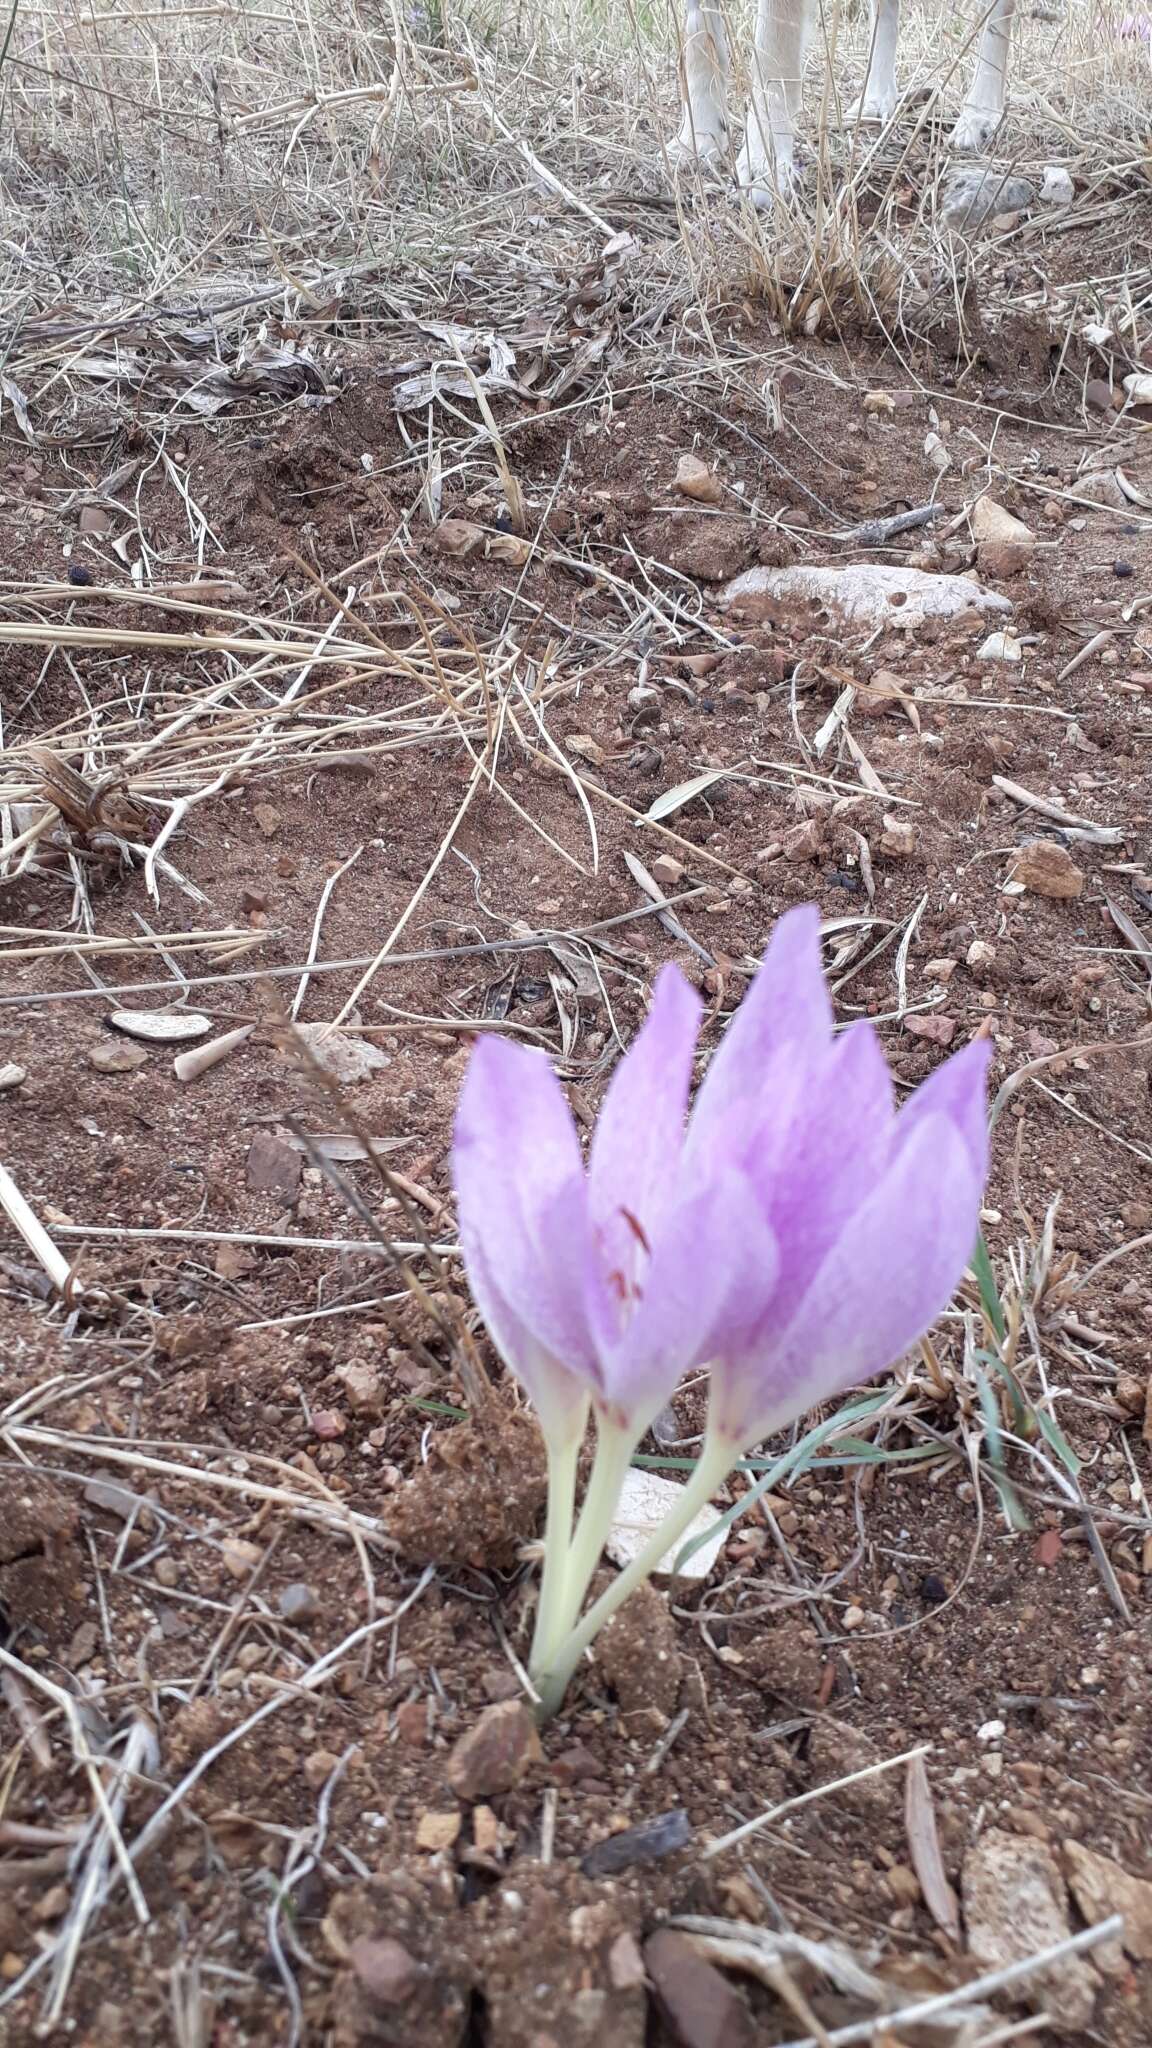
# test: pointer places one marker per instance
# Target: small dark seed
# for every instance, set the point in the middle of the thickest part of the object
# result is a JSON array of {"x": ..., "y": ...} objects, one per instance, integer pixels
[
  {"x": 933, "y": 1589},
  {"x": 77, "y": 573},
  {"x": 1122, "y": 569}
]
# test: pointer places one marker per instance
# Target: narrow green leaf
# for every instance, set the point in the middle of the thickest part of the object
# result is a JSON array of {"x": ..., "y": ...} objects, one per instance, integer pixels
[
  {"x": 793, "y": 1462},
  {"x": 1051, "y": 1431},
  {"x": 1014, "y": 1512},
  {"x": 981, "y": 1265}
]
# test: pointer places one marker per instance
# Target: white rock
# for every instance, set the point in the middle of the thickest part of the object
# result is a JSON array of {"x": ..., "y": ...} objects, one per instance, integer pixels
[
  {"x": 345, "y": 1058},
  {"x": 644, "y": 1502},
  {"x": 991, "y": 521},
  {"x": 971, "y": 196},
  {"x": 1000, "y": 647},
  {"x": 1057, "y": 188},
  {"x": 1014, "y": 1904},
  {"x": 937, "y": 453},
  {"x": 865, "y": 593},
  {"x": 161, "y": 1027},
  {"x": 1139, "y": 387}
]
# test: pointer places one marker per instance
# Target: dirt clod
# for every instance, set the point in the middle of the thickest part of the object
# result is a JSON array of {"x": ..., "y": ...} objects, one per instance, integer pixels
[
  {"x": 384, "y": 1969},
  {"x": 1047, "y": 869},
  {"x": 637, "y": 1653},
  {"x": 479, "y": 1508}
]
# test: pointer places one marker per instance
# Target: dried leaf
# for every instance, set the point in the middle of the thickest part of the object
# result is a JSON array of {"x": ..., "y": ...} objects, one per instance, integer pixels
[
  {"x": 924, "y": 1848},
  {"x": 587, "y": 357},
  {"x": 885, "y": 687},
  {"x": 864, "y": 768},
  {"x": 1130, "y": 932},
  {"x": 507, "y": 547},
  {"x": 19, "y": 404},
  {"x": 1132, "y": 491},
  {"x": 343, "y": 1148},
  {"x": 683, "y": 792}
]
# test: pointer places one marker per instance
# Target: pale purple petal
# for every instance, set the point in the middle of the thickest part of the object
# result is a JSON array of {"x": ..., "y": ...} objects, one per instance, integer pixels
[
  {"x": 958, "y": 1090},
  {"x": 512, "y": 1105},
  {"x": 894, "y": 1267},
  {"x": 782, "y": 1027},
  {"x": 522, "y": 1205},
  {"x": 635, "y": 1156},
  {"x": 838, "y": 1146},
  {"x": 556, "y": 1394},
  {"x": 715, "y": 1248}
]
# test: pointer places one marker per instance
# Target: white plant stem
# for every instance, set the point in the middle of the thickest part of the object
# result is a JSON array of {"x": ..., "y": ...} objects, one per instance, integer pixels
[
  {"x": 717, "y": 1457},
  {"x": 615, "y": 1443},
  {"x": 563, "y": 1453}
]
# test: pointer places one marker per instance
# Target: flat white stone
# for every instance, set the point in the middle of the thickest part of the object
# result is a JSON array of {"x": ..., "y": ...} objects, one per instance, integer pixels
[
  {"x": 348, "y": 1059},
  {"x": 865, "y": 593},
  {"x": 645, "y": 1501},
  {"x": 161, "y": 1027}
]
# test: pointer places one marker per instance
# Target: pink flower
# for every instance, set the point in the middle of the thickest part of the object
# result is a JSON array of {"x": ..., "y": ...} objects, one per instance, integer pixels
[{"x": 798, "y": 1233}]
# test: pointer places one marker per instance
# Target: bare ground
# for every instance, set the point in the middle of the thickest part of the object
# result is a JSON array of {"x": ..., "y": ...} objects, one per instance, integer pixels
[{"x": 245, "y": 1433}]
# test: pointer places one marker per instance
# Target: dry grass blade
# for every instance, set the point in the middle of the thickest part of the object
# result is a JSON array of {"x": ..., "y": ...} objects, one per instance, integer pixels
[
  {"x": 25, "y": 1221},
  {"x": 787, "y": 1806},
  {"x": 322, "y": 1507},
  {"x": 738, "y": 1944}
]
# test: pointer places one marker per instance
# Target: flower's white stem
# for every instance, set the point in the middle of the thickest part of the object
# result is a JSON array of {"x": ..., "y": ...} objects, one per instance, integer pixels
[
  {"x": 552, "y": 1620},
  {"x": 717, "y": 1457},
  {"x": 615, "y": 1444}
]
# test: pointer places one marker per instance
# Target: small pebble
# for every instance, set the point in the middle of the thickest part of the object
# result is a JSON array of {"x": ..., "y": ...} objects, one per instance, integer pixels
[
  {"x": 385, "y": 1969},
  {"x": 108, "y": 1057},
  {"x": 662, "y": 1836},
  {"x": 493, "y": 1755},
  {"x": 1122, "y": 569},
  {"x": 298, "y": 1602}
]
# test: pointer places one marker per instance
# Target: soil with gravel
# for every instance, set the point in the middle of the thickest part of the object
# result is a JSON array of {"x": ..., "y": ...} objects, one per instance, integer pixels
[{"x": 335, "y": 1871}]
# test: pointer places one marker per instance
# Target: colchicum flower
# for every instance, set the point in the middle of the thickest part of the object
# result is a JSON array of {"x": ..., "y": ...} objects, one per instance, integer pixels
[{"x": 796, "y": 1235}]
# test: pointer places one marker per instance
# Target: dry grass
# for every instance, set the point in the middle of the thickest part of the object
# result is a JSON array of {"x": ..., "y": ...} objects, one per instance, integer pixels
[{"x": 150, "y": 153}]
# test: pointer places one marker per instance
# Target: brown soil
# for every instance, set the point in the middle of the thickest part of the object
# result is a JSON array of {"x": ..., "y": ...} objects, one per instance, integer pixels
[{"x": 882, "y": 1606}]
